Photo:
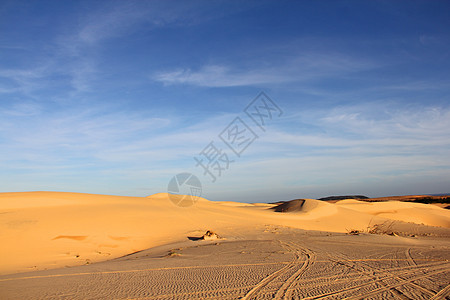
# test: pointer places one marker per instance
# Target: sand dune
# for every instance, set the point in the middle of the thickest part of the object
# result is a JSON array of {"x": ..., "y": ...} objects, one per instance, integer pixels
[
  {"x": 403, "y": 211},
  {"x": 45, "y": 230}
]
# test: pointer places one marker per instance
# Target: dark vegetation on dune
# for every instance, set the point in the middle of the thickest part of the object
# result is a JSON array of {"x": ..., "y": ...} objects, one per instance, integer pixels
[
  {"x": 331, "y": 198},
  {"x": 426, "y": 199},
  {"x": 418, "y": 199},
  {"x": 429, "y": 200}
]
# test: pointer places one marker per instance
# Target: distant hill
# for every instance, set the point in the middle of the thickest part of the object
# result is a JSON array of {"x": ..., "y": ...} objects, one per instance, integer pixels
[
  {"x": 428, "y": 199},
  {"x": 413, "y": 198},
  {"x": 333, "y": 198},
  {"x": 441, "y": 200}
]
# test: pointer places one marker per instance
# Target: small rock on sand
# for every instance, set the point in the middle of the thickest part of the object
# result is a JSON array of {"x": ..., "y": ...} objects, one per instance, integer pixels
[{"x": 209, "y": 236}]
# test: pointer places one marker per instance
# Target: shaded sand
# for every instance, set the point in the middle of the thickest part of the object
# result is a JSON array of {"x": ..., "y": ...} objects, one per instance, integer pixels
[
  {"x": 290, "y": 206},
  {"x": 43, "y": 230}
]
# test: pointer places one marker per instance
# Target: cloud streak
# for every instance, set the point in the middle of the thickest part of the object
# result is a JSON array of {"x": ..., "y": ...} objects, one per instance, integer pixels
[
  {"x": 299, "y": 69},
  {"x": 72, "y": 55}
]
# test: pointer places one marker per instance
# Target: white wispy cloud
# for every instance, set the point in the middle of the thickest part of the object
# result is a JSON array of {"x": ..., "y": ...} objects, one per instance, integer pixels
[
  {"x": 22, "y": 109},
  {"x": 72, "y": 55},
  {"x": 420, "y": 123},
  {"x": 356, "y": 130},
  {"x": 25, "y": 81},
  {"x": 33, "y": 139},
  {"x": 421, "y": 85},
  {"x": 220, "y": 76},
  {"x": 302, "y": 67}
]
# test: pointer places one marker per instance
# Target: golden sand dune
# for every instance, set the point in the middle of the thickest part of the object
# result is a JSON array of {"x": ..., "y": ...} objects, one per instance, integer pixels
[
  {"x": 403, "y": 211},
  {"x": 40, "y": 230}
]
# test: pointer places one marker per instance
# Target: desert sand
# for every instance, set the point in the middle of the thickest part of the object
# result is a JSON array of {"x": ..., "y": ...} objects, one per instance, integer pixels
[{"x": 86, "y": 246}]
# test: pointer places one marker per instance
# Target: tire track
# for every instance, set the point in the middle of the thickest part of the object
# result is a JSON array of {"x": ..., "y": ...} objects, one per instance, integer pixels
[
  {"x": 364, "y": 269},
  {"x": 412, "y": 263},
  {"x": 431, "y": 271},
  {"x": 409, "y": 257},
  {"x": 356, "y": 272},
  {"x": 364, "y": 266},
  {"x": 142, "y": 270},
  {"x": 313, "y": 284},
  {"x": 359, "y": 269},
  {"x": 444, "y": 293},
  {"x": 291, "y": 282},
  {"x": 255, "y": 290},
  {"x": 380, "y": 290},
  {"x": 213, "y": 293}
]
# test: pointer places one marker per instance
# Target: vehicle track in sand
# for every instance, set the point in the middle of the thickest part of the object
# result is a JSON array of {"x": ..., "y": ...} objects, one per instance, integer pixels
[
  {"x": 442, "y": 294},
  {"x": 400, "y": 278},
  {"x": 285, "y": 290},
  {"x": 401, "y": 283},
  {"x": 392, "y": 280},
  {"x": 295, "y": 283},
  {"x": 303, "y": 259},
  {"x": 368, "y": 270},
  {"x": 409, "y": 257},
  {"x": 361, "y": 277},
  {"x": 281, "y": 267}
]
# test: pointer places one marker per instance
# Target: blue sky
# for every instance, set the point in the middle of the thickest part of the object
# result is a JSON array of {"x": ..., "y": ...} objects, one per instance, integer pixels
[{"x": 117, "y": 97}]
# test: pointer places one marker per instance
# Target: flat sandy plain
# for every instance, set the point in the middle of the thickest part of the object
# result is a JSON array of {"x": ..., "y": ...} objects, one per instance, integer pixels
[{"x": 80, "y": 246}]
